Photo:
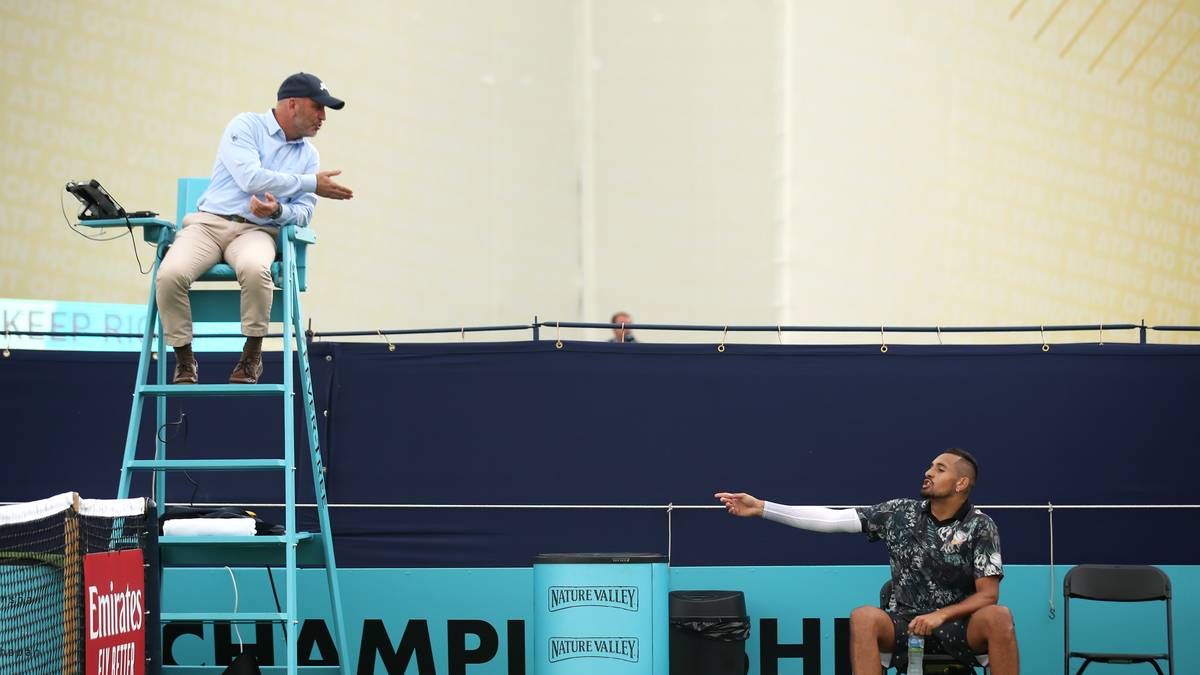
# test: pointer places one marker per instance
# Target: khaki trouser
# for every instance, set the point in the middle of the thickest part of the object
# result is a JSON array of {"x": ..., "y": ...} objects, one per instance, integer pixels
[{"x": 204, "y": 241}]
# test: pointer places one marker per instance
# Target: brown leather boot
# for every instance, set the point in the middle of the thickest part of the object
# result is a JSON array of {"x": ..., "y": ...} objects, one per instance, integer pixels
[
  {"x": 187, "y": 371},
  {"x": 249, "y": 367}
]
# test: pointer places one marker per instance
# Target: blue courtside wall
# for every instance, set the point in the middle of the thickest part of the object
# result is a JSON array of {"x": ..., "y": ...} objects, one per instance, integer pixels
[
  {"x": 643, "y": 424},
  {"x": 526, "y": 423},
  {"x": 491, "y": 600},
  {"x": 611, "y": 424}
]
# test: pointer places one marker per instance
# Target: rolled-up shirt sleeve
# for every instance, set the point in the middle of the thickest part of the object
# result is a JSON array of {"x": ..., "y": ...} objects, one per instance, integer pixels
[{"x": 299, "y": 208}]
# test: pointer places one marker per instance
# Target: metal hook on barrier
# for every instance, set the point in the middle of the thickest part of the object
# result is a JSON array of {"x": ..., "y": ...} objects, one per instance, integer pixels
[
  {"x": 391, "y": 347},
  {"x": 1101, "y": 334},
  {"x": 557, "y": 335},
  {"x": 1045, "y": 345},
  {"x": 779, "y": 329},
  {"x": 7, "y": 352},
  {"x": 462, "y": 334},
  {"x": 721, "y": 347},
  {"x": 939, "y": 332},
  {"x": 622, "y": 332},
  {"x": 882, "y": 342}
]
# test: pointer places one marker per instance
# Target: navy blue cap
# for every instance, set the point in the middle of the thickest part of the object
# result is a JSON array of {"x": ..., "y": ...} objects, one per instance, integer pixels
[{"x": 306, "y": 85}]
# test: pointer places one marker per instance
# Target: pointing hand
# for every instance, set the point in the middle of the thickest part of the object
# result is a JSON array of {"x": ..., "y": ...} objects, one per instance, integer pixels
[{"x": 331, "y": 189}]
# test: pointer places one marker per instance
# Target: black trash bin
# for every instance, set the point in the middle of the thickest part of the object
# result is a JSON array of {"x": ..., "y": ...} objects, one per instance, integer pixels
[{"x": 708, "y": 633}]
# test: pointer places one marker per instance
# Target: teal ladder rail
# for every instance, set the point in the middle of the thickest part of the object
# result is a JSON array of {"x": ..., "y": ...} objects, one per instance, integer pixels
[{"x": 289, "y": 549}]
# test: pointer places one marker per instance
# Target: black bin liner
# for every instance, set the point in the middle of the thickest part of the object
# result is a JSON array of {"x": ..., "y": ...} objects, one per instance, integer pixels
[{"x": 708, "y": 633}]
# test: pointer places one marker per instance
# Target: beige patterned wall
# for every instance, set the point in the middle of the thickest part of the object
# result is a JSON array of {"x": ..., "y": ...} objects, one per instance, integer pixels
[
  {"x": 457, "y": 137},
  {"x": 999, "y": 163},
  {"x": 706, "y": 161}
]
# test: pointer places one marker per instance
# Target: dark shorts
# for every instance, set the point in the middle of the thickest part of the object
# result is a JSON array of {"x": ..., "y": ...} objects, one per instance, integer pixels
[{"x": 949, "y": 638}]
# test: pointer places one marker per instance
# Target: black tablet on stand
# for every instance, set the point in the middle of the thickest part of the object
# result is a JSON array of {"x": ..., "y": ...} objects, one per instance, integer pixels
[{"x": 97, "y": 203}]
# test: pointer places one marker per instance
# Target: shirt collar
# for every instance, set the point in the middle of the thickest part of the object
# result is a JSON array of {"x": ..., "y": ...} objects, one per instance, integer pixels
[
  {"x": 959, "y": 515},
  {"x": 274, "y": 129}
]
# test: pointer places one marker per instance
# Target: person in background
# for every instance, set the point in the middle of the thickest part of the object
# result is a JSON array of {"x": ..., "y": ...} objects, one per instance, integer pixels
[{"x": 620, "y": 332}]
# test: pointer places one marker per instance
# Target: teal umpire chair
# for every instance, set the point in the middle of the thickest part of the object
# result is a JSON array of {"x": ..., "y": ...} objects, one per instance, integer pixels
[{"x": 287, "y": 550}]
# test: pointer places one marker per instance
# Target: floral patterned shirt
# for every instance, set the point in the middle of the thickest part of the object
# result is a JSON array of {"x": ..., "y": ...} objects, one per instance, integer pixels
[{"x": 934, "y": 564}]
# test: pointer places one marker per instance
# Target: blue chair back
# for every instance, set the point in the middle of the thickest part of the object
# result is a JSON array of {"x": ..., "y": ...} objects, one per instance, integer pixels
[{"x": 188, "y": 194}]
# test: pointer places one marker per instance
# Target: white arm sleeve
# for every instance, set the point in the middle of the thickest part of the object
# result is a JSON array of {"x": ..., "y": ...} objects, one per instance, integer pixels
[{"x": 814, "y": 518}]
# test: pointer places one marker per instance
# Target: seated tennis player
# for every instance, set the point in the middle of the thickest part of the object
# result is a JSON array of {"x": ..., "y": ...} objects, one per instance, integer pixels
[{"x": 946, "y": 570}]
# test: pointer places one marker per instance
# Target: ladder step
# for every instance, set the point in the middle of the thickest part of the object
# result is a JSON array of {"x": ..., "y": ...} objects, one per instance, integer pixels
[
  {"x": 238, "y": 551},
  {"x": 201, "y": 390},
  {"x": 231, "y": 617},
  {"x": 207, "y": 464},
  {"x": 230, "y": 540}
]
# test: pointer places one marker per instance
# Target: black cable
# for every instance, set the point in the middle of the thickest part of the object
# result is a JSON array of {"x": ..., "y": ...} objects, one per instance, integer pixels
[
  {"x": 178, "y": 424},
  {"x": 181, "y": 422},
  {"x": 133, "y": 240},
  {"x": 275, "y": 595},
  {"x": 195, "y": 488},
  {"x": 128, "y": 226},
  {"x": 76, "y": 230}
]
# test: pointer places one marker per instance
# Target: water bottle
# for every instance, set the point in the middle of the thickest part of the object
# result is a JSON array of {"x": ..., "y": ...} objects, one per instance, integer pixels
[{"x": 916, "y": 655}]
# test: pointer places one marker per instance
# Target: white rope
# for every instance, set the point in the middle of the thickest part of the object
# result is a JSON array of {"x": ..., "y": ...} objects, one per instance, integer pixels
[
  {"x": 1050, "y": 515},
  {"x": 670, "y": 507},
  {"x": 1033, "y": 507},
  {"x": 241, "y": 647}
]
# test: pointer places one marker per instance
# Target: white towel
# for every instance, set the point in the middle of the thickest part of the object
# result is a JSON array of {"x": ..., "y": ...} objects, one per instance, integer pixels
[{"x": 192, "y": 527}]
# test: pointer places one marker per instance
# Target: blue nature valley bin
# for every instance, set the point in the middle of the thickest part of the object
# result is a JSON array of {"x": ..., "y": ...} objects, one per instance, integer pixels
[{"x": 600, "y": 614}]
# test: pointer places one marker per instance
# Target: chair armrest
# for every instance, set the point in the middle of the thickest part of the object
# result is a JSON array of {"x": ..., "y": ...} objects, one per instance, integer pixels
[
  {"x": 300, "y": 235},
  {"x": 154, "y": 230}
]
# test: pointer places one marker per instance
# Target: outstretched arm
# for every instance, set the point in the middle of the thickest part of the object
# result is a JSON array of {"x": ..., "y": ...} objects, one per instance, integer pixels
[{"x": 813, "y": 518}]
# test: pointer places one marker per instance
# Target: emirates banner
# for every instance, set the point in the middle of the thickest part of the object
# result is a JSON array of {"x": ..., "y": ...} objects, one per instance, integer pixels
[{"x": 115, "y": 604}]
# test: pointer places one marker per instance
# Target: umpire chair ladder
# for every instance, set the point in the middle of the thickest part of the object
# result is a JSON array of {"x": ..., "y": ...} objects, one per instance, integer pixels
[{"x": 290, "y": 276}]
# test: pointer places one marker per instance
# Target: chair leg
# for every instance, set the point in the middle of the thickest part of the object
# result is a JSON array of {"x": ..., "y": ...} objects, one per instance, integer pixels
[{"x": 1156, "y": 667}]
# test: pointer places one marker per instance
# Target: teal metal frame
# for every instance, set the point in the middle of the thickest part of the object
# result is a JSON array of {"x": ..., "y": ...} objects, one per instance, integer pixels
[{"x": 290, "y": 275}]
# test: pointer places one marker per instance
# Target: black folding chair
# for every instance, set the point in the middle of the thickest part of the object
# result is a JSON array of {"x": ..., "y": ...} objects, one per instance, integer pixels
[
  {"x": 935, "y": 663},
  {"x": 1116, "y": 583}
]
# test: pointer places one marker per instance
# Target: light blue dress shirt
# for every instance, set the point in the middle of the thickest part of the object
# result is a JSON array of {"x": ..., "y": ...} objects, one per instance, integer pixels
[{"x": 255, "y": 157}]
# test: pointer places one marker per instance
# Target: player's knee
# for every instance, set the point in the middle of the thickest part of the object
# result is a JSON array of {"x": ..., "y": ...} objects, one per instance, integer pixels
[
  {"x": 866, "y": 618},
  {"x": 997, "y": 620}
]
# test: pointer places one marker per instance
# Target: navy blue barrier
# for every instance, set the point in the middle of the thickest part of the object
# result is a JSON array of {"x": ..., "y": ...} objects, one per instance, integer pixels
[
  {"x": 65, "y": 414},
  {"x": 644, "y": 424}
]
